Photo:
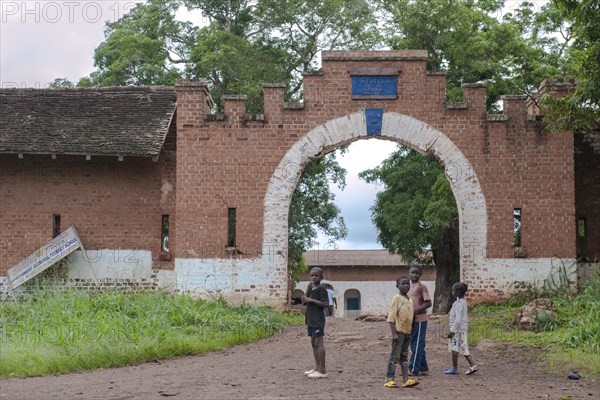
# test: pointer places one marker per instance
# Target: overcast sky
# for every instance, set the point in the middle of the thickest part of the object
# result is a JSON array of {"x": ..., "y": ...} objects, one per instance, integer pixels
[{"x": 44, "y": 40}]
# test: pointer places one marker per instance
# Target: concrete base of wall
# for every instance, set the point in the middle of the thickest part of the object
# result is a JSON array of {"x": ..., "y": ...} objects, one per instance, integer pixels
[
  {"x": 263, "y": 281},
  {"x": 257, "y": 281}
]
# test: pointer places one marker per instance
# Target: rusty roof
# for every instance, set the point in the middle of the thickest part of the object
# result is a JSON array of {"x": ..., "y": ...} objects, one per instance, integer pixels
[{"x": 124, "y": 121}]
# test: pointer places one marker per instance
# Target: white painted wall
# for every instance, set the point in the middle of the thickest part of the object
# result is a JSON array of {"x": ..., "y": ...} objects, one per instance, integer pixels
[{"x": 376, "y": 296}]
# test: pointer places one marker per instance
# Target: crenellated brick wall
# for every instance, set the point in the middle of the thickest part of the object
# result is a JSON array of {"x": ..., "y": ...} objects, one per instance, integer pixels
[{"x": 251, "y": 163}]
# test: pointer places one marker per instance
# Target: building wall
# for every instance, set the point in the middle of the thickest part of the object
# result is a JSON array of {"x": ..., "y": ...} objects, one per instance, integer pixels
[
  {"x": 376, "y": 296},
  {"x": 495, "y": 164},
  {"x": 116, "y": 206},
  {"x": 252, "y": 163}
]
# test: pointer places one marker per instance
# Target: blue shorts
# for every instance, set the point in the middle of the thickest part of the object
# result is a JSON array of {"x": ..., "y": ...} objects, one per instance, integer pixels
[{"x": 316, "y": 331}]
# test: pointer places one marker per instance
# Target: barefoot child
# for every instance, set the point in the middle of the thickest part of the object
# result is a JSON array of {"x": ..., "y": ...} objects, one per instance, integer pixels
[
  {"x": 421, "y": 301},
  {"x": 316, "y": 301},
  {"x": 400, "y": 319},
  {"x": 457, "y": 338}
]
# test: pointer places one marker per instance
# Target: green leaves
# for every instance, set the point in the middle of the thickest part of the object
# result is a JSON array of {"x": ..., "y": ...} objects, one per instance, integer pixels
[
  {"x": 416, "y": 205},
  {"x": 581, "y": 109},
  {"x": 143, "y": 47},
  {"x": 223, "y": 59},
  {"x": 474, "y": 42},
  {"x": 312, "y": 208}
]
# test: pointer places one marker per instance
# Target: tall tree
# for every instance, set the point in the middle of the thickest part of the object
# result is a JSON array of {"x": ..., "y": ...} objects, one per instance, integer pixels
[
  {"x": 475, "y": 42},
  {"x": 416, "y": 216},
  {"x": 579, "y": 111},
  {"x": 306, "y": 27},
  {"x": 143, "y": 47}
]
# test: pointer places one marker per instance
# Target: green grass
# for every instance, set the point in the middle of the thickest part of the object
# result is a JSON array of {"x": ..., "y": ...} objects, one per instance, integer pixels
[
  {"x": 56, "y": 333},
  {"x": 571, "y": 342}
]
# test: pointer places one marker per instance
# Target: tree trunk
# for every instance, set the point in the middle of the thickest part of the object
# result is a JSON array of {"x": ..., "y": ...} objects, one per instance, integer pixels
[{"x": 446, "y": 255}]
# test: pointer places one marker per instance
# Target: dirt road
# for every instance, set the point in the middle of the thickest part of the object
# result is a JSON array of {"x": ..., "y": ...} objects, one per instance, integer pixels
[{"x": 273, "y": 369}]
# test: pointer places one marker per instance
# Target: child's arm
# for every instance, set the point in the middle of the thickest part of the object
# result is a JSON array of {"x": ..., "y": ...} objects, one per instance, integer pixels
[
  {"x": 394, "y": 332},
  {"x": 424, "y": 294},
  {"x": 422, "y": 307},
  {"x": 323, "y": 301},
  {"x": 317, "y": 302}
]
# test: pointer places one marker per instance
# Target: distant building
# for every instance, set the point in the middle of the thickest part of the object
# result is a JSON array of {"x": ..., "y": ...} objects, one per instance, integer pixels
[{"x": 364, "y": 281}]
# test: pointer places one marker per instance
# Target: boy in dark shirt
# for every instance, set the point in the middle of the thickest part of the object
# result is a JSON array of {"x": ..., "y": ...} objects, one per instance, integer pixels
[{"x": 316, "y": 300}]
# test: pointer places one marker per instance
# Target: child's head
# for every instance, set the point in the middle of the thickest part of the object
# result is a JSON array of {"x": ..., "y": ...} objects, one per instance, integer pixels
[
  {"x": 415, "y": 273},
  {"x": 403, "y": 284},
  {"x": 459, "y": 289},
  {"x": 316, "y": 275}
]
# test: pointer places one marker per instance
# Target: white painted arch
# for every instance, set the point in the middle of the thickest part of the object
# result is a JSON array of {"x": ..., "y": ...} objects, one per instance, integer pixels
[{"x": 395, "y": 127}]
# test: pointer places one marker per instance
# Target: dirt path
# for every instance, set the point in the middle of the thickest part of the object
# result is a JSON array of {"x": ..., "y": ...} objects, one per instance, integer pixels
[{"x": 273, "y": 369}]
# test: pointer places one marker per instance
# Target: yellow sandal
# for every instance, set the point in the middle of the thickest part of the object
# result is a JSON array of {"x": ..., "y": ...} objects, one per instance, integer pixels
[{"x": 410, "y": 383}]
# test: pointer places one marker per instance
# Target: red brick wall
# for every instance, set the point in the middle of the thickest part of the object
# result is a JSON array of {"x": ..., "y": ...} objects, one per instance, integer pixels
[
  {"x": 228, "y": 162},
  {"x": 114, "y": 205}
]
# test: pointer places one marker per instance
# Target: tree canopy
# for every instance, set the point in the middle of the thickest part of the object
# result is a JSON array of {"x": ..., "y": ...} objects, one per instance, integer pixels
[{"x": 580, "y": 110}]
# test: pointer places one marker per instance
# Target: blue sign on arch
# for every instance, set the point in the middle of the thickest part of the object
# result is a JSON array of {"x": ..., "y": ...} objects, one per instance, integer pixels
[
  {"x": 374, "y": 119},
  {"x": 374, "y": 86}
]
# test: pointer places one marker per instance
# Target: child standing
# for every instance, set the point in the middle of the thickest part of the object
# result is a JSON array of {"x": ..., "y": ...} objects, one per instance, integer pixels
[
  {"x": 421, "y": 301},
  {"x": 400, "y": 319},
  {"x": 332, "y": 300},
  {"x": 316, "y": 301},
  {"x": 457, "y": 337}
]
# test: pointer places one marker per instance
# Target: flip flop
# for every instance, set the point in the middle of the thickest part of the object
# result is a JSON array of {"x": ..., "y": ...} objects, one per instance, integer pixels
[
  {"x": 451, "y": 372},
  {"x": 472, "y": 370},
  {"x": 390, "y": 384},
  {"x": 410, "y": 383}
]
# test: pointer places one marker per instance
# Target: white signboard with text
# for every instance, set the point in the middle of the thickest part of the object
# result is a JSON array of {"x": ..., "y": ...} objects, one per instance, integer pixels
[{"x": 52, "y": 252}]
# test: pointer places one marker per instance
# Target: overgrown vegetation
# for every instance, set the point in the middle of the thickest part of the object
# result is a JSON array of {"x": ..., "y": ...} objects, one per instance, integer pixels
[
  {"x": 571, "y": 341},
  {"x": 64, "y": 332}
]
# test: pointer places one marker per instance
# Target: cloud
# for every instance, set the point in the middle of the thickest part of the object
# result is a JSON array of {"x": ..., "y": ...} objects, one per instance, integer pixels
[
  {"x": 358, "y": 196},
  {"x": 41, "y": 40}
]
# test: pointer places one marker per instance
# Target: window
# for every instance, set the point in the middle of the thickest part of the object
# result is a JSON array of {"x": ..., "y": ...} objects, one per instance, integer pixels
[
  {"x": 231, "y": 227},
  {"x": 164, "y": 237},
  {"x": 517, "y": 215},
  {"x": 581, "y": 227},
  {"x": 55, "y": 225}
]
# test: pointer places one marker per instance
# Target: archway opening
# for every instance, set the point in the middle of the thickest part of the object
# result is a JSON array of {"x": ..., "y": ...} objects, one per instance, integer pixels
[{"x": 398, "y": 128}]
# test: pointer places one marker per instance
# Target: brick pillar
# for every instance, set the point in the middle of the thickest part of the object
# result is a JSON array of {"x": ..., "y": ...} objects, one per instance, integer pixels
[{"x": 193, "y": 103}]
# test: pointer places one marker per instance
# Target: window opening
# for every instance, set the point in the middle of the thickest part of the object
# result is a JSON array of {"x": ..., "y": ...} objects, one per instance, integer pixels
[
  {"x": 231, "y": 227},
  {"x": 55, "y": 225},
  {"x": 164, "y": 238},
  {"x": 517, "y": 218},
  {"x": 581, "y": 227}
]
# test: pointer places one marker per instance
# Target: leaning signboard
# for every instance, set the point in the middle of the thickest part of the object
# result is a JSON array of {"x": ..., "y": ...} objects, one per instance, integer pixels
[{"x": 60, "y": 247}]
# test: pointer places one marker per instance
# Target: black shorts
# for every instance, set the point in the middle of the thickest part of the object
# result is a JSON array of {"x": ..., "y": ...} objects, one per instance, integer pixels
[{"x": 316, "y": 331}]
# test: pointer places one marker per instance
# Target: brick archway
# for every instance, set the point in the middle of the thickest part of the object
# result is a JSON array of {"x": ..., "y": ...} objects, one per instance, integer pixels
[{"x": 396, "y": 127}]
